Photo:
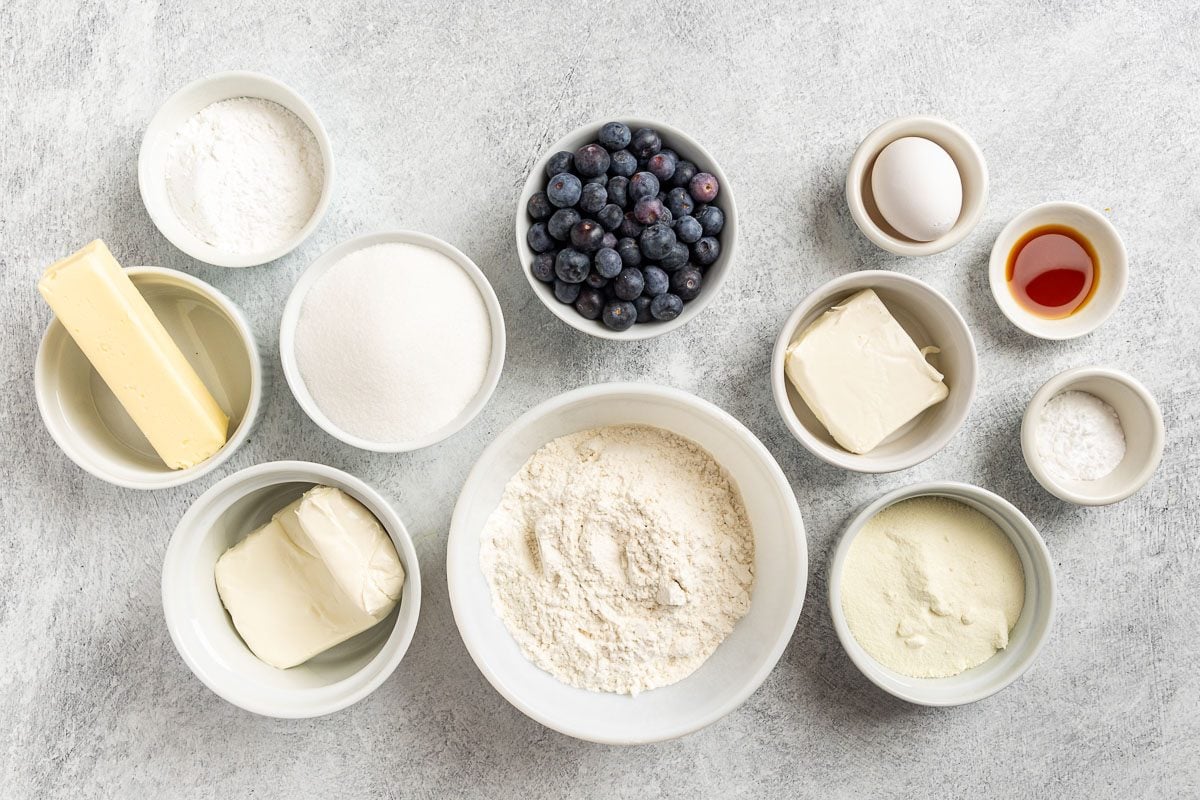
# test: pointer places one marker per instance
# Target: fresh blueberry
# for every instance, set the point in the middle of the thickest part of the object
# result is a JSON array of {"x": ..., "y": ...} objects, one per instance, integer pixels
[
  {"x": 591, "y": 159},
  {"x": 656, "y": 241},
  {"x": 564, "y": 190},
  {"x": 539, "y": 206},
  {"x": 586, "y": 235},
  {"x": 539, "y": 238},
  {"x": 623, "y": 164},
  {"x": 615, "y": 135},
  {"x": 688, "y": 229},
  {"x": 595, "y": 280},
  {"x": 593, "y": 198},
  {"x": 662, "y": 164},
  {"x": 590, "y": 303},
  {"x": 611, "y": 216},
  {"x": 609, "y": 240},
  {"x": 543, "y": 267},
  {"x": 642, "y": 184},
  {"x": 667, "y": 217},
  {"x": 703, "y": 187},
  {"x": 559, "y": 162},
  {"x": 655, "y": 280},
  {"x": 676, "y": 257},
  {"x": 679, "y": 201},
  {"x": 712, "y": 220},
  {"x": 648, "y": 211},
  {"x": 571, "y": 266},
  {"x": 619, "y": 315},
  {"x": 618, "y": 190},
  {"x": 629, "y": 226},
  {"x": 684, "y": 172},
  {"x": 629, "y": 283},
  {"x": 666, "y": 307},
  {"x": 686, "y": 283},
  {"x": 561, "y": 223},
  {"x": 706, "y": 251},
  {"x": 599, "y": 180},
  {"x": 608, "y": 262},
  {"x": 566, "y": 292},
  {"x": 645, "y": 142},
  {"x": 630, "y": 253},
  {"x": 642, "y": 304}
]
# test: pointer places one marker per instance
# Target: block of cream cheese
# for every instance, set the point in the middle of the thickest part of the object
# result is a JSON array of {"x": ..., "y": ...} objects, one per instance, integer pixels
[
  {"x": 861, "y": 373},
  {"x": 321, "y": 571},
  {"x": 116, "y": 329}
]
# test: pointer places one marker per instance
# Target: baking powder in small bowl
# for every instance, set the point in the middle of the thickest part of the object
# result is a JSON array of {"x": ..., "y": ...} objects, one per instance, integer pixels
[{"x": 1079, "y": 437}]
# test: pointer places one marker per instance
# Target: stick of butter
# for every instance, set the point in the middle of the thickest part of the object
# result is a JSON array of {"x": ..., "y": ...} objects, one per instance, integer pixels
[
  {"x": 117, "y": 330},
  {"x": 321, "y": 571},
  {"x": 861, "y": 373}
]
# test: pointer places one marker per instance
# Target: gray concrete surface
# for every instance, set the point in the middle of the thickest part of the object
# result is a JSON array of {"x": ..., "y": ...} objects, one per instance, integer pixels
[{"x": 437, "y": 111}]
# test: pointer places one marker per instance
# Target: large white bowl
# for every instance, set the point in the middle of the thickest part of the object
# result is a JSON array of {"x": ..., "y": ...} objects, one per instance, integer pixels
[
  {"x": 742, "y": 661},
  {"x": 204, "y": 633}
]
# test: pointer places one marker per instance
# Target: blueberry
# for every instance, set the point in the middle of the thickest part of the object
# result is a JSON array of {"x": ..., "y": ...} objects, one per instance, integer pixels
[
  {"x": 614, "y": 135},
  {"x": 599, "y": 180},
  {"x": 559, "y": 162},
  {"x": 629, "y": 226},
  {"x": 629, "y": 283},
  {"x": 642, "y": 184},
  {"x": 567, "y": 292},
  {"x": 592, "y": 198},
  {"x": 564, "y": 190},
  {"x": 667, "y": 217},
  {"x": 684, "y": 172},
  {"x": 561, "y": 223},
  {"x": 686, "y": 283},
  {"x": 611, "y": 216},
  {"x": 586, "y": 235},
  {"x": 595, "y": 280},
  {"x": 591, "y": 159},
  {"x": 539, "y": 206},
  {"x": 543, "y": 267},
  {"x": 642, "y": 304},
  {"x": 539, "y": 238},
  {"x": 571, "y": 266},
  {"x": 688, "y": 229},
  {"x": 679, "y": 201},
  {"x": 662, "y": 164},
  {"x": 666, "y": 307},
  {"x": 706, "y": 251},
  {"x": 712, "y": 220},
  {"x": 618, "y": 190},
  {"x": 656, "y": 241},
  {"x": 655, "y": 280},
  {"x": 619, "y": 315},
  {"x": 590, "y": 303},
  {"x": 645, "y": 142},
  {"x": 608, "y": 262},
  {"x": 676, "y": 257},
  {"x": 703, "y": 187},
  {"x": 622, "y": 163},
  {"x": 648, "y": 210},
  {"x": 630, "y": 253},
  {"x": 609, "y": 240}
]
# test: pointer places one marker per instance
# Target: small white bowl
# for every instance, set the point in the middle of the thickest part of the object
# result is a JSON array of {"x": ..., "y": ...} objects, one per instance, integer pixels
[
  {"x": 971, "y": 168},
  {"x": 295, "y": 303},
  {"x": 1027, "y": 637},
  {"x": 88, "y": 422},
  {"x": 715, "y": 275},
  {"x": 191, "y": 99},
  {"x": 930, "y": 319},
  {"x": 204, "y": 634},
  {"x": 742, "y": 661},
  {"x": 1140, "y": 418},
  {"x": 1113, "y": 275}
]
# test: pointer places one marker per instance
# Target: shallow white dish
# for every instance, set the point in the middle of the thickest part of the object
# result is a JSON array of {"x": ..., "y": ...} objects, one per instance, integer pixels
[
  {"x": 191, "y": 99},
  {"x": 204, "y": 633},
  {"x": 972, "y": 169},
  {"x": 1141, "y": 420},
  {"x": 742, "y": 661},
  {"x": 714, "y": 275},
  {"x": 295, "y": 303},
  {"x": 930, "y": 319},
  {"x": 1027, "y": 637},
  {"x": 87, "y": 421},
  {"x": 1113, "y": 269}
]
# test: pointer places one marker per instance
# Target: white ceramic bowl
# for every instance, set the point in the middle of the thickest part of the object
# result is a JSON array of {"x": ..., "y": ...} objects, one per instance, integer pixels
[
  {"x": 204, "y": 633},
  {"x": 1027, "y": 637},
  {"x": 1140, "y": 418},
  {"x": 89, "y": 424},
  {"x": 291, "y": 316},
  {"x": 1113, "y": 275},
  {"x": 929, "y": 318},
  {"x": 191, "y": 99},
  {"x": 971, "y": 168},
  {"x": 715, "y": 275},
  {"x": 742, "y": 661}
]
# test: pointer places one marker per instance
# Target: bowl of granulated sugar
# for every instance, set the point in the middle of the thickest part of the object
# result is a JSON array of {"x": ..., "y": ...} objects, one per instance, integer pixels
[{"x": 392, "y": 341}]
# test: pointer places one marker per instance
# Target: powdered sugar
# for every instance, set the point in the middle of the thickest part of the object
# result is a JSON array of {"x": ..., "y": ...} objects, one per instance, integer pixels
[{"x": 1079, "y": 437}]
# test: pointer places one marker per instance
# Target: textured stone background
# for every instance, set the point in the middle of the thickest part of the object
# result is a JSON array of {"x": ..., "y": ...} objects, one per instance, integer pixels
[{"x": 436, "y": 112}]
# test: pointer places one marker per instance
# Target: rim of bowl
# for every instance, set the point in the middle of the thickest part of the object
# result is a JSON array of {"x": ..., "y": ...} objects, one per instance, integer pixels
[
  {"x": 295, "y": 303},
  {"x": 1039, "y": 553},
  {"x": 834, "y": 455},
  {"x": 168, "y": 478},
  {"x": 938, "y": 131},
  {"x": 163, "y": 215},
  {"x": 321, "y": 700},
  {"x": 637, "y": 332},
  {"x": 1063, "y": 381},
  {"x": 611, "y": 390},
  {"x": 1041, "y": 327}
]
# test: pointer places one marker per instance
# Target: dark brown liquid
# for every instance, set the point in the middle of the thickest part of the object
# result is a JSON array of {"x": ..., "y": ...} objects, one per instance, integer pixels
[{"x": 1053, "y": 271}]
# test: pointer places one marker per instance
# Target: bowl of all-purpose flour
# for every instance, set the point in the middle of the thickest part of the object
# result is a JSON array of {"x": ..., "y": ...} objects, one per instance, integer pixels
[
  {"x": 626, "y": 563},
  {"x": 236, "y": 169},
  {"x": 392, "y": 341}
]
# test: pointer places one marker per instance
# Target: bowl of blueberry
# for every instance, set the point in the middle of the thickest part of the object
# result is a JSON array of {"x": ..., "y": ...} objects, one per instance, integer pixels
[{"x": 626, "y": 230}]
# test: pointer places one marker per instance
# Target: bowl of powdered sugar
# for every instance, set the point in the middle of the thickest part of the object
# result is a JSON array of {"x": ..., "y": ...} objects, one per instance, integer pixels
[{"x": 236, "y": 169}]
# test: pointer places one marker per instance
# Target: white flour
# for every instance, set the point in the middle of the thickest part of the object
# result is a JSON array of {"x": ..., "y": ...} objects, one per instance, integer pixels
[
  {"x": 619, "y": 558},
  {"x": 244, "y": 175},
  {"x": 1079, "y": 437}
]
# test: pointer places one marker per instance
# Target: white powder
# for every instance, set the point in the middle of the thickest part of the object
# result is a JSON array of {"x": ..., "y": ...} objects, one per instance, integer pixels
[
  {"x": 931, "y": 587},
  {"x": 244, "y": 175},
  {"x": 619, "y": 558},
  {"x": 393, "y": 342},
  {"x": 1079, "y": 437}
]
